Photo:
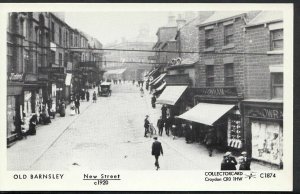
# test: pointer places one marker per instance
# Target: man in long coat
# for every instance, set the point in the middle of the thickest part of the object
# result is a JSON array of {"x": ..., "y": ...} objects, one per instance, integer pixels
[
  {"x": 156, "y": 151},
  {"x": 146, "y": 125},
  {"x": 160, "y": 126}
]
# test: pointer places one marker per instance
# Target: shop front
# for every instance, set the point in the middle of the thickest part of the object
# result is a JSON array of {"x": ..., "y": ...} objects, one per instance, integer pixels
[
  {"x": 173, "y": 98},
  {"x": 13, "y": 106},
  {"x": 217, "y": 110},
  {"x": 263, "y": 124}
]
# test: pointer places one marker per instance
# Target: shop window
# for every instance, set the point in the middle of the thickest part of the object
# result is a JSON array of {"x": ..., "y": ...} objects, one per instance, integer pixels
[
  {"x": 228, "y": 34},
  {"x": 276, "y": 39},
  {"x": 267, "y": 141},
  {"x": 60, "y": 62},
  {"x": 209, "y": 40},
  {"x": 52, "y": 31},
  {"x": 277, "y": 85},
  {"x": 209, "y": 75},
  {"x": 11, "y": 113},
  {"x": 228, "y": 74}
]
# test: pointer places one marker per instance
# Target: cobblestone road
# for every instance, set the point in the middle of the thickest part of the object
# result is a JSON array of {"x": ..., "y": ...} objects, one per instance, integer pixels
[{"x": 108, "y": 135}]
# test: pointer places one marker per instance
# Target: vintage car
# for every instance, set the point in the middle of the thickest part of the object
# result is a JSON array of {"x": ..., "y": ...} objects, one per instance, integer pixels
[{"x": 105, "y": 89}]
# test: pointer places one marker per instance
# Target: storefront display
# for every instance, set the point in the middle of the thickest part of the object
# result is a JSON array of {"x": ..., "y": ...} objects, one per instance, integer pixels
[
  {"x": 267, "y": 141},
  {"x": 27, "y": 111},
  {"x": 11, "y": 113},
  {"x": 235, "y": 134}
]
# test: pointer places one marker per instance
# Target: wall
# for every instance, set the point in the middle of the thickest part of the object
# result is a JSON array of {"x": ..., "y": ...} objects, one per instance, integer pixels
[{"x": 258, "y": 79}]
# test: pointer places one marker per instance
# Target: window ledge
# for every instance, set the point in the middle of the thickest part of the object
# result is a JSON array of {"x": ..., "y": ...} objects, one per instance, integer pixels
[
  {"x": 209, "y": 49},
  {"x": 275, "y": 52},
  {"x": 228, "y": 46}
]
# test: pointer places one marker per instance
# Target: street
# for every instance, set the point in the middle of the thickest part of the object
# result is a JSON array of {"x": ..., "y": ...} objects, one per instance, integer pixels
[{"x": 108, "y": 135}]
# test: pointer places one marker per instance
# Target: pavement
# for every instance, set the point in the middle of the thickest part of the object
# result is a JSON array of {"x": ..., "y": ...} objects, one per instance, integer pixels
[{"x": 109, "y": 135}]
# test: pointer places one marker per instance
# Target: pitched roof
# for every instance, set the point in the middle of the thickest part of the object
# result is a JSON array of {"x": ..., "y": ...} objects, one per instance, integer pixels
[
  {"x": 221, "y": 15},
  {"x": 266, "y": 17}
]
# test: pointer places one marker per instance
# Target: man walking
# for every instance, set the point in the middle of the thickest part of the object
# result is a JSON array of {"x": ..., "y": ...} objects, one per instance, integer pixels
[
  {"x": 146, "y": 125},
  {"x": 156, "y": 151},
  {"x": 160, "y": 126},
  {"x": 77, "y": 104},
  {"x": 153, "y": 100}
]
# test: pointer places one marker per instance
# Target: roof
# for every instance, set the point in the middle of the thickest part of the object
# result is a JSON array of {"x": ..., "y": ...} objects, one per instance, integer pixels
[
  {"x": 266, "y": 17},
  {"x": 220, "y": 16},
  {"x": 105, "y": 84}
]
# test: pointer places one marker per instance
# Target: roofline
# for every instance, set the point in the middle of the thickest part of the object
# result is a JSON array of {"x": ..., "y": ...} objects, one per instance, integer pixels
[
  {"x": 165, "y": 27},
  {"x": 262, "y": 23},
  {"x": 221, "y": 20}
]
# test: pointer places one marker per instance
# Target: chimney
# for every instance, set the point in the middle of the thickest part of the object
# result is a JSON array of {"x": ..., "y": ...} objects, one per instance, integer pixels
[{"x": 180, "y": 21}]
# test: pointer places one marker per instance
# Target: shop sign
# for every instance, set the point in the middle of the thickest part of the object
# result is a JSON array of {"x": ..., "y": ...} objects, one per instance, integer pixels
[
  {"x": 267, "y": 113},
  {"x": 216, "y": 91},
  {"x": 16, "y": 77}
]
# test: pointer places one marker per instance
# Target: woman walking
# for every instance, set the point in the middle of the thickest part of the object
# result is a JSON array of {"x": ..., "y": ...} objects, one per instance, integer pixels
[{"x": 94, "y": 97}]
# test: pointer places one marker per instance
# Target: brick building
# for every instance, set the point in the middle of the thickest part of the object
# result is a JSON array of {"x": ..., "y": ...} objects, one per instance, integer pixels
[
  {"x": 39, "y": 58},
  {"x": 262, "y": 108}
]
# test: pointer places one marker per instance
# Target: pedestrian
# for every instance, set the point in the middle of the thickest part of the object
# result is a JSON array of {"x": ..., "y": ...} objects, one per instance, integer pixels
[
  {"x": 62, "y": 108},
  {"x": 18, "y": 125},
  {"x": 153, "y": 100},
  {"x": 147, "y": 84},
  {"x": 160, "y": 126},
  {"x": 32, "y": 125},
  {"x": 173, "y": 131},
  {"x": 142, "y": 92},
  {"x": 164, "y": 112},
  {"x": 209, "y": 141},
  {"x": 228, "y": 162},
  {"x": 156, "y": 151},
  {"x": 167, "y": 125},
  {"x": 94, "y": 97},
  {"x": 82, "y": 94},
  {"x": 146, "y": 125},
  {"x": 72, "y": 108},
  {"x": 87, "y": 94},
  {"x": 246, "y": 162},
  {"x": 77, "y": 105}
]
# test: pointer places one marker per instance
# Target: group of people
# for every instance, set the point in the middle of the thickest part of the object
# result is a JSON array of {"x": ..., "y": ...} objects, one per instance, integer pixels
[{"x": 229, "y": 162}]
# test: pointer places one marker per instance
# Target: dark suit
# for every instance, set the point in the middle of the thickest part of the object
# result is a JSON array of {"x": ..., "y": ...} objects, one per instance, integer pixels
[
  {"x": 156, "y": 151},
  {"x": 160, "y": 125},
  {"x": 146, "y": 126}
]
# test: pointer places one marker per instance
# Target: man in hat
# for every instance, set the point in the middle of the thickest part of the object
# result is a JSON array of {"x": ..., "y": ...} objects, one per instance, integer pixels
[
  {"x": 156, "y": 151},
  {"x": 160, "y": 125},
  {"x": 228, "y": 162},
  {"x": 146, "y": 125},
  {"x": 246, "y": 161}
]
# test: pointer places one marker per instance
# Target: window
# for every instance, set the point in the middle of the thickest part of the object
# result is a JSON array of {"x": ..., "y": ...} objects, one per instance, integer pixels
[
  {"x": 276, "y": 39},
  {"x": 228, "y": 34},
  {"x": 28, "y": 66},
  {"x": 39, "y": 59},
  {"x": 53, "y": 57},
  {"x": 67, "y": 37},
  {"x": 60, "y": 36},
  {"x": 76, "y": 41},
  {"x": 209, "y": 75},
  {"x": 277, "y": 85},
  {"x": 229, "y": 74},
  {"x": 71, "y": 40},
  {"x": 24, "y": 29},
  {"x": 209, "y": 41},
  {"x": 60, "y": 59},
  {"x": 52, "y": 31}
]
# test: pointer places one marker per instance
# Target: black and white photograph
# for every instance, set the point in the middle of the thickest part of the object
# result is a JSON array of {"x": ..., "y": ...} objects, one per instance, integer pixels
[{"x": 151, "y": 91}]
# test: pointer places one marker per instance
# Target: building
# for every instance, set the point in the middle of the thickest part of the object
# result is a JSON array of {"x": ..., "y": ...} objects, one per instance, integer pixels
[
  {"x": 135, "y": 63},
  {"x": 27, "y": 52},
  {"x": 43, "y": 52},
  {"x": 262, "y": 107}
]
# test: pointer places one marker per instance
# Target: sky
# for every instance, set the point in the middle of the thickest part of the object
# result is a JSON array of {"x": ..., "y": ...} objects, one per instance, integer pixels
[{"x": 109, "y": 27}]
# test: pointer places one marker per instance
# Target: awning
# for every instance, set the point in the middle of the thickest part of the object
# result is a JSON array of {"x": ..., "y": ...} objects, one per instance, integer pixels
[
  {"x": 206, "y": 113},
  {"x": 68, "y": 79},
  {"x": 171, "y": 95},
  {"x": 161, "y": 86},
  {"x": 158, "y": 79},
  {"x": 152, "y": 72}
]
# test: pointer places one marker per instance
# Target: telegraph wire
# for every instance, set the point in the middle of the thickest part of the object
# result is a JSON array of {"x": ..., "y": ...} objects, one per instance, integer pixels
[{"x": 153, "y": 51}]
